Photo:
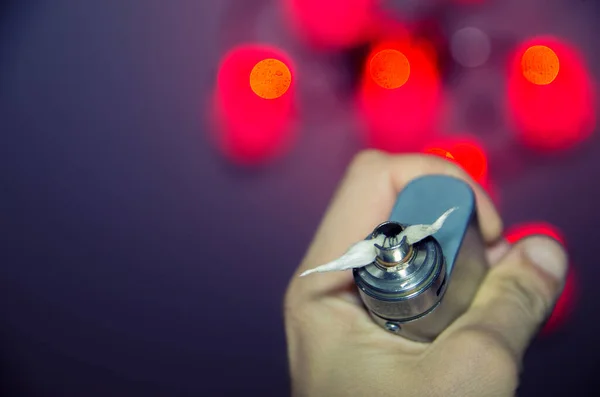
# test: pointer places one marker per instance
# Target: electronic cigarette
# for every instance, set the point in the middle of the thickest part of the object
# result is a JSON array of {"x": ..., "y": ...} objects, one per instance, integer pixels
[{"x": 417, "y": 290}]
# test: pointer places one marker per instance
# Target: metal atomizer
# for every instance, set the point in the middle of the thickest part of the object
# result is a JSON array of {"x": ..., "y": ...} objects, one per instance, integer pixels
[{"x": 417, "y": 291}]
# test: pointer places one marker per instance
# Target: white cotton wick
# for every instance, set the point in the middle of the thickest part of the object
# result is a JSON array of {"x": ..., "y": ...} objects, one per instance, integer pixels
[
  {"x": 416, "y": 233},
  {"x": 364, "y": 252},
  {"x": 359, "y": 255}
]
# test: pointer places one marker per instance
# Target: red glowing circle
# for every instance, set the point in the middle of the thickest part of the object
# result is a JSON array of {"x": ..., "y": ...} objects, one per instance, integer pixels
[
  {"x": 550, "y": 95},
  {"x": 468, "y": 153},
  {"x": 400, "y": 108},
  {"x": 254, "y": 103},
  {"x": 566, "y": 302},
  {"x": 331, "y": 23},
  {"x": 472, "y": 158}
]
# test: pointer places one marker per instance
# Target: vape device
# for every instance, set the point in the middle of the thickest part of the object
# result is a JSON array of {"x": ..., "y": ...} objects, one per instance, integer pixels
[{"x": 417, "y": 290}]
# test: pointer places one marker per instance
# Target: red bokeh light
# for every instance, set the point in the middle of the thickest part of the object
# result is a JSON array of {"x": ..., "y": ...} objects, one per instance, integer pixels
[
  {"x": 566, "y": 301},
  {"x": 254, "y": 118},
  {"x": 564, "y": 305},
  {"x": 332, "y": 23},
  {"x": 472, "y": 158},
  {"x": 468, "y": 153},
  {"x": 550, "y": 95},
  {"x": 529, "y": 229},
  {"x": 401, "y": 118}
]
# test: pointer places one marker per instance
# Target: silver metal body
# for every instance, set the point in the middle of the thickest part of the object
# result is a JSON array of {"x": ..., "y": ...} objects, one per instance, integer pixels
[{"x": 417, "y": 291}]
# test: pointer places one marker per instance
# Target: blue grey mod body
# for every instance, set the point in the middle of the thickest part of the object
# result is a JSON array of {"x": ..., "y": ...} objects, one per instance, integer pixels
[{"x": 417, "y": 291}]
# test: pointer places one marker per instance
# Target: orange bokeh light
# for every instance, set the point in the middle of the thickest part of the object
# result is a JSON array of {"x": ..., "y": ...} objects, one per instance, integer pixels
[
  {"x": 540, "y": 65},
  {"x": 390, "y": 69},
  {"x": 567, "y": 300},
  {"x": 440, "y": 152},
  {"x": 270, "y": 78}
]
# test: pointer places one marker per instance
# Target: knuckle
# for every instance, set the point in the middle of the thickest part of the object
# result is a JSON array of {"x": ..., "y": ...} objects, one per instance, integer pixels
[{"x": 366, "y": 158}]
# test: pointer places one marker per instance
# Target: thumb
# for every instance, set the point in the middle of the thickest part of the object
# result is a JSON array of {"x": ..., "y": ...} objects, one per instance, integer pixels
[{"x": 517, "y": 295}]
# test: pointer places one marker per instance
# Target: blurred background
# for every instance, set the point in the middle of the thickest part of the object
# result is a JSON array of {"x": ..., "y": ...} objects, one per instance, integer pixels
[{"x": 165, "y": 164}]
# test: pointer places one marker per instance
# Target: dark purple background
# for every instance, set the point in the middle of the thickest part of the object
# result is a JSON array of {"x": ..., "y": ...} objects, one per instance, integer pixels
[{"x": 135, "y": 261}]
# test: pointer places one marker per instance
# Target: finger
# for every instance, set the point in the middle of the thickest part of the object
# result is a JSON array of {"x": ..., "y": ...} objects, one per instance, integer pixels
[
  {"x": 497, "y": 251},
  {"x": 516, "y": 297},
  {"x": 365, "y": 198}
]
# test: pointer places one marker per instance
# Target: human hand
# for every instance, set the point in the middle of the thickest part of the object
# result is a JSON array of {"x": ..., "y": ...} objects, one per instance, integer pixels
[{"x": 334, "y": 347}]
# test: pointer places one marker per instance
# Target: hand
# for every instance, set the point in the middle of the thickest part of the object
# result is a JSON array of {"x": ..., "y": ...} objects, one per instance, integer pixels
[{"x": 334, "y": 347}]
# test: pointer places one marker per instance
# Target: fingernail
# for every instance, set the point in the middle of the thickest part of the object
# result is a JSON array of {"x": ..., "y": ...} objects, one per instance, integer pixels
[{"x": 548, "y": 255}]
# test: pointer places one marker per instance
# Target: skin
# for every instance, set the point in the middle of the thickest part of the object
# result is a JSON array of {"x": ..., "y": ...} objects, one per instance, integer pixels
[{"x": 334, "y": 347}]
